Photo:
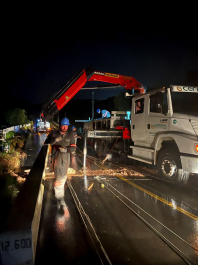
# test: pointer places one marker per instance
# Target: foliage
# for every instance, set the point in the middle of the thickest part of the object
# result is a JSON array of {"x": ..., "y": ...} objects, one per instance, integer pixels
[
  {"x": 121, "y": 102},
  {"x": 10, "y": 135},
  {"x": 10, "y": 162},
  {"x": 16, "y": 142},
  {"x": 16, "y": 116},
  {"x": 3, "y": 144}
]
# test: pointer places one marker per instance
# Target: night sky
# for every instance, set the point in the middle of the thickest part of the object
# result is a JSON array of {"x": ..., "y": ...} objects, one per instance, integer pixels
[{"x": 41, "y": 52}]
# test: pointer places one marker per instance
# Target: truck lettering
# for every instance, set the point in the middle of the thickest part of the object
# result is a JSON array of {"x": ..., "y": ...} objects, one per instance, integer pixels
[
  {"x": 112, "y": 75},
  {"x": 179, "y": 88},
  {"x": 99, "y": 73},
  {"x": 185, "y": 89},
  {"x": 158, "y": 126}
]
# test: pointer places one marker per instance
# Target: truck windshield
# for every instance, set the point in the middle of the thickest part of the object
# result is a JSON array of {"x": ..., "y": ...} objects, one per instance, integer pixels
[{"x": 185, "y": 103}]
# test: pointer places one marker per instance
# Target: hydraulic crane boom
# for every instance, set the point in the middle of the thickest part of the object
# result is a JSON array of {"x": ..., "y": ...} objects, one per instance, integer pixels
[{"x": 62, "y": 97}]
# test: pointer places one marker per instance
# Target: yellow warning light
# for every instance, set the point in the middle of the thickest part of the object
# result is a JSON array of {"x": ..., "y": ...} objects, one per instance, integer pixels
[{"x": 196, "y": 147}]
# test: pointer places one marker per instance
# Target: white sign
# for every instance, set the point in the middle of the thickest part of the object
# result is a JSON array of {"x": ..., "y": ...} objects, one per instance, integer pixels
[
  {"x": 184, "y": 89},
  {"x": 16, "y": 248}
]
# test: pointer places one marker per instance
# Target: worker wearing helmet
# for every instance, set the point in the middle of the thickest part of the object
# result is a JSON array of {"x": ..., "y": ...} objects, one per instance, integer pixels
[
  {"x": 74, "y": 133},
  {"x": 63, "y": 143},
  {"x": 105, "y": 113}
]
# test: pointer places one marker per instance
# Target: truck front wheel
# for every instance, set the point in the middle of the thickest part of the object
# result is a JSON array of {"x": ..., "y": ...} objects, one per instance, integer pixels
[{"x": 169, "y": 166}]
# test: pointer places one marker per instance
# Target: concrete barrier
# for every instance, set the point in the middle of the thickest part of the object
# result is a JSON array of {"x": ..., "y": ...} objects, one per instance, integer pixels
[{"x": 18, "y": 240}]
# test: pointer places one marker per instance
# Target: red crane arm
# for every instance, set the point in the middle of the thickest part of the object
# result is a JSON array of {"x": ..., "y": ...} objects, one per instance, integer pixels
[
  {"x": 72, "y": 91},
  {"x": 61, "y": 98},
  {"x": 127, "y": 82}
]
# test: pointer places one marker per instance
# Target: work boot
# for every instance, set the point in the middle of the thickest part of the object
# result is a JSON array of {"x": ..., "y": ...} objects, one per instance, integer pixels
[
  {"x": 60, "y": 205},
  {"x": 59, "y": 191}
]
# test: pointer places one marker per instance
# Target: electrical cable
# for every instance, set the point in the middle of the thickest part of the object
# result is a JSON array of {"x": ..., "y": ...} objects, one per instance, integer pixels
[
  {"x": 153, "y": 189},
  {"x": 150, "y": 216},
  {"x": 172, "y": 246},
  {"x": 107, "y": 184},
  {"x": 82, "y": 212}
]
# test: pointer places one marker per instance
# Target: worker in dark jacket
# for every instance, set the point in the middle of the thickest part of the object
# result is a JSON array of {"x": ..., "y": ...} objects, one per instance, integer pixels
[
  {"x": 74, "y": 133},
  {"x": 63, "y": 143}
]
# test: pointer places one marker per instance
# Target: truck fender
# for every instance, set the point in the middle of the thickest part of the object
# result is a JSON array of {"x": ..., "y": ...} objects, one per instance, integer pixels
[
  {"x": 159, "y": 140},
  {"x": 179, "y": 140}
]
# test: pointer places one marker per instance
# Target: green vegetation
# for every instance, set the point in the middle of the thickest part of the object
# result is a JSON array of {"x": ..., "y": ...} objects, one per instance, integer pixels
[
  {"x": 10, "y": 162},
  {"x": 9, "y": 135},
  {"x": 16, "y": 116},
  {"x": 14, "y": 142}
]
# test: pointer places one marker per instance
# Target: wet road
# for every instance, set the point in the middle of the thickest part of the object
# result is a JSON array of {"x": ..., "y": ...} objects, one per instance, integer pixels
[
  {"x": 33, "y": 146},
  {"x": 119, "y": 220}
]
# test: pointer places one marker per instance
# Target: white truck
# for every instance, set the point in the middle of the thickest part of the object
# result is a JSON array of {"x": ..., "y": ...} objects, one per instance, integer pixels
[{"x": 163, "y": 130}]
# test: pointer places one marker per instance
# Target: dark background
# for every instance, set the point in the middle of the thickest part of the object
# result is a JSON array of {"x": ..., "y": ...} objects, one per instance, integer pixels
[{"x": 43, "y": 46}]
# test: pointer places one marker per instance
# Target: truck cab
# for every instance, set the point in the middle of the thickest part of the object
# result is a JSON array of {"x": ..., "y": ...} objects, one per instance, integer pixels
[{"x": 164, "y": 129}]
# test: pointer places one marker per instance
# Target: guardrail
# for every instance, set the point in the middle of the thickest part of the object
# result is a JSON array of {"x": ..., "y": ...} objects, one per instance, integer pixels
[
  {"x": 18, "y": 240},
  {"x": 16, "y": 128}
]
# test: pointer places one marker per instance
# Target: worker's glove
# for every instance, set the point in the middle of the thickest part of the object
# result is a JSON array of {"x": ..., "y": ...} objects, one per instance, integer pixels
[
  {"x": 63, "y": 150},
  {"x": 71, "y": 149},
  {"x": 59, "y": 138}
]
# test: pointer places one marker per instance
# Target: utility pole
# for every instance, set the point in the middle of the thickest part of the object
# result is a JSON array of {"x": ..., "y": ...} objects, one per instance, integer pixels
[{"x": 92, "y": 105}]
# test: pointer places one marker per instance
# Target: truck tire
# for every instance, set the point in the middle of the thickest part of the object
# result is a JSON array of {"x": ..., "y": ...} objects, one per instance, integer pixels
[
  {"x": 104, "y": 148},
  {"x": 169, "y": 166},
  {"x": 100, "y": 148},
  {"x": 96, "y": 146}
]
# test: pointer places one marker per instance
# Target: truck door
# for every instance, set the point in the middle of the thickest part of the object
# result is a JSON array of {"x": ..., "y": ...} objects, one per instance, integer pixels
[
  {"x": 138, "y": 120},
  {"x": 157, "y": 120}
]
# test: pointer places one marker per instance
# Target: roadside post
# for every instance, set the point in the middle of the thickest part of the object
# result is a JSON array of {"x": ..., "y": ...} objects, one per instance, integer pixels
[{"x": 84, "y": 160}]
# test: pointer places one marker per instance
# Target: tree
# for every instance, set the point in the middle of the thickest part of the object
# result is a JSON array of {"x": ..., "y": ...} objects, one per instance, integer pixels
[
  {"x": 16, "y": 116},
  {"x": 121, "y": 102}
]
